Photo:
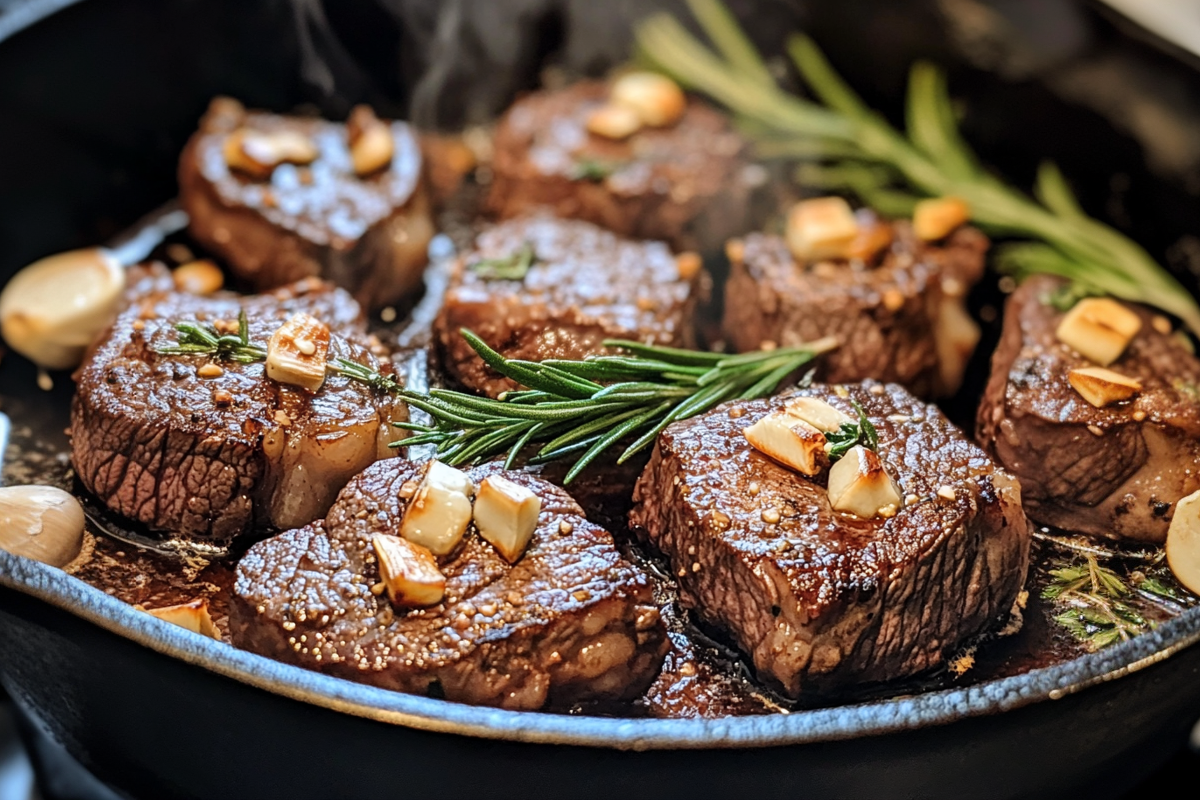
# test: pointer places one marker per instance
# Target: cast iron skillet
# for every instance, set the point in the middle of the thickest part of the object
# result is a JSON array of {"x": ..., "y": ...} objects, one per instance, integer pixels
[{"x": 94, "y": 105}]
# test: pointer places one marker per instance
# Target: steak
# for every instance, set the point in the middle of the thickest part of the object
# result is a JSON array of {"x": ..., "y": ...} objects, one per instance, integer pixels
[
  {"x": 1112, "y": 472},
  {"x": 685, "y": 184},
  {"x": 898, "y": 318},
  {"x": 571, "y": 620},
  {"x": 822, "y": 600},
  {"x": 212, "y": 458},
  {"x": 368, "y": 235},
  {"x": 585, "y": 285}
]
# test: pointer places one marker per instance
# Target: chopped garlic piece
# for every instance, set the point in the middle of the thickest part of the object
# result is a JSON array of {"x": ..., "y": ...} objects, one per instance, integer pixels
[
  {"x": 297, "y": 352},
  {"x": 1099, "y": 328},
  {"x": 817, "y": 413},
  {"x": 408, "y": 571},
  {"x": 937, "y": 217},
  {"x": 859, "y": 484},
  {"x": 194, "y": 616},
  {"x": 614, "y": 121},
  {"x": 1183, "y": 542},
  {"x": 657, "y": 99},
  {"x": 440, "y": 511},
  {"x": 506, "y": 515},
  {"x": 1101, "y": 387},
  {"x": 821, "y": 228},
  {"x": 370, "y": 138},
  {"x": 258, "y": 153},
  {"x": 789, "y": 440}
]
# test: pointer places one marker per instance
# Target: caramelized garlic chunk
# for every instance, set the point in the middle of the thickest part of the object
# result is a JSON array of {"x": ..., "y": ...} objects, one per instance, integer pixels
[
  {"x": 789, "y": 440},
  {"x": 440, "y": 510},
  {"x": 370, "y": 138},
  {"x": 1102, "y": 387},
  {"x": 938, "y": 217},
  {"x": 258, "y": 153},
  {"x": 297, "y": 352},
  {"x": 408, "y": 571},
  {"x": 656, "y": 99},
  {"x": 193, "y": 616},
  {"x": 824, "y": 227},
  {"x": 859, "y": 484},
  {"x": 1183, "y": 542},
  {"x": 506, "y": 515},
  {"x": 1099, "y": 329}
]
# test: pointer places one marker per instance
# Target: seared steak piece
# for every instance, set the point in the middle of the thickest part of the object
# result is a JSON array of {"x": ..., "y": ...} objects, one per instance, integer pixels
[
  {"x": 367, "y": 234},
  {"x": 571, "y": 620},
  {"x": 822, "y": 599},
  {"x": 211, "y": 450},
  {"x": 684, "y": 183},
  {"x": 584, "y": 285},
  {"x": 1115, "y": 471},
  {"x": 898, "y": 318}
]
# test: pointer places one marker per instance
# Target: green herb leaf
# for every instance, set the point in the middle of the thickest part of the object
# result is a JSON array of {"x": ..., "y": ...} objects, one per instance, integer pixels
[
  {"x": 203, "y": 339},
  {"x": 1065, "y": 297},
  {"x": 1096, "y": 614},
  {"x": 509, "y": 268},
  {"x": 850, "y": 147},
  {"x": 591, "y": 169},
  {"x": 850, "y": 434}
]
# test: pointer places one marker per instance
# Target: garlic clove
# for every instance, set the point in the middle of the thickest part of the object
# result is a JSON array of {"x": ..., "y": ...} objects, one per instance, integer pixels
[
  {"x": 54, "y": 308},
  {"x": 297, "y": 352},
  {"x": 824, "y": 227},
  {"x": 506, "y": 515},
  {"x": 657, "y": 99},
  {"x": 1183, "y": 542},
  {"x": 790, "y": 441},
  {"x": 817, "y": 413},
  {"x": 859, "y": 484},
  {"x": 1101, "y": 387},
  {"x": 936, "y": 218},
  {"x": 258, "y": 153},
  {"x": 955, "y": 335},
  {"x": 192, "y": 615},
  {"x": 201, "y": 277},
  {"x": 1099, "y": 329},
  {"x": 408, "y": 571},
  {"x": 614, "y": 121},
  {"x": 41, "y": 522},
  {"x": 370, "y": 138},
  {"x": 440, "y": 510}
]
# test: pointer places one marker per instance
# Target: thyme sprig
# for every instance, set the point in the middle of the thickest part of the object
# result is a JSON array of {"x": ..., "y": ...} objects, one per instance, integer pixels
[
  {"x": 583, "y": 409},
  {"x": 848, "y": 146},
  {"x": 509, "y": 268},
  {"x": 850, "y": 434},
  {"x": 203, "y": 339},
  {"x": 1097, "y": 614}
]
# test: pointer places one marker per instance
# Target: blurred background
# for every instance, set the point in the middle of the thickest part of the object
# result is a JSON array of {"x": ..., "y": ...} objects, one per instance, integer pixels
[{"x": 1119, "y": 80}]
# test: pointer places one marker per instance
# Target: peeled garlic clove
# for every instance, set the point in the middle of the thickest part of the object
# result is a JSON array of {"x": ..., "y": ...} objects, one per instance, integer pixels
[
  {"x": 54, "y": 308},
  {"x": 1183, "y": 542},
  {"x": 859, "y": 484},
  {"x": 824, "y": 227},
  {"x": 506, "y": 515},
  {"x": 193, "y": 616},
  {"x": 41, "y": 522},
  {"x": 408, "y": 572},
  {"x": 440, "y": 510},
  {"x": 657, "y": 99}
]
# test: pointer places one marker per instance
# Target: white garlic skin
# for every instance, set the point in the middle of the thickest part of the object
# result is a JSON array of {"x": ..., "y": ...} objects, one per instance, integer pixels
[
  {"x": 53, "y": 309},
  {"x": 43, "y": 523}
]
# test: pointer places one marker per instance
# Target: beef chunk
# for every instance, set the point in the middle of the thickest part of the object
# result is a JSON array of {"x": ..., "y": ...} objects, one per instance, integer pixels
[
  {"x": 585, "y": 285},
  {"x": 214, "y": 457},
  {"x": 367, "y": 234},
  {"x": 822, "y": 599},
  {"x": 1112, "y": 472},
  {"x": 684, "y": 183},
  {"x": 571, "y": 620},
  {"x": 898, "y": 318}
]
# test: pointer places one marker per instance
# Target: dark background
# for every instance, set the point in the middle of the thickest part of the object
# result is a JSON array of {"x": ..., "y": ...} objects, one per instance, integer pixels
[{"x": 96, "y": 101}]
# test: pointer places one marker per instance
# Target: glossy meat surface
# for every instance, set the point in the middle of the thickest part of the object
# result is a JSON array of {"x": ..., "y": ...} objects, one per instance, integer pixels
[
  {"x": 571, "y": 620},
  {"x": 822, "y": 599}
]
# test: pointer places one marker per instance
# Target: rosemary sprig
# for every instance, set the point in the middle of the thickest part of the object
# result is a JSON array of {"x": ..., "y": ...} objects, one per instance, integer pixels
[
  {"x": 1096, "y": 613},
  {"x": 850, "y": 434},
  {"x": 510, "y": 268},
  {"x": 848, "y": 146},
  {"x": 363, "y": 374},
  {"x": 203, "y": 339},
  {"x": 582, "y": 409}
]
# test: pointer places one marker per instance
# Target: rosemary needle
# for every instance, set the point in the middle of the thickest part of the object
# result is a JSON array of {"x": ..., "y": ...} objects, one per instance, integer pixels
[
  {"x": 203, "y": 339},
  {"x": 848, "y": 146},
  {"x": 582, "y": 409}
]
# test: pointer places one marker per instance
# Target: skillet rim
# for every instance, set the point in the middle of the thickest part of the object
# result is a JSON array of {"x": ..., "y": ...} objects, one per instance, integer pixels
[{"x": 941, "y": 707}]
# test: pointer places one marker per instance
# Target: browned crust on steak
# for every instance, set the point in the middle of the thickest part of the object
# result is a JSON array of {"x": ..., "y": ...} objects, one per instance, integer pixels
[
  {"x": 586, "y": 286},
  {"x": 368, "y": 235},
  {"x": 884, "y": 316},
  {"x": 681, "y": 183},
  {"x": 571, "y": 620},
  {"x": 1099, "y": 471},
  {"x": 822, "y": 600},
  {"x": 150, "y": 440}
]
